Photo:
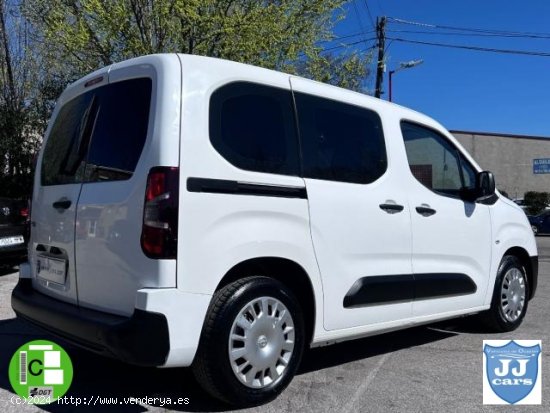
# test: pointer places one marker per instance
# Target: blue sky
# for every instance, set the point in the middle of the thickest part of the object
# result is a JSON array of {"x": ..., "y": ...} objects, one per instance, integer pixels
[{"x": 463, "y": 89}]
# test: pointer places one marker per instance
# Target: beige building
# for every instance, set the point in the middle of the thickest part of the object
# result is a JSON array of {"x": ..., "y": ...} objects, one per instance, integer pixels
[{"x": 519, "y": 163}]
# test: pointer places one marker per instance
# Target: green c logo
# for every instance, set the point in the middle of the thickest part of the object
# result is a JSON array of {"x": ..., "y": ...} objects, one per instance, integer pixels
[{"x": 41, "y": 371}]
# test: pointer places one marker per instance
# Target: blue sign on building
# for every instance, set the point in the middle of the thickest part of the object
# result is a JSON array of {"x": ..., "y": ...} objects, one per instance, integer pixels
[{"x": 541, "y": 166}]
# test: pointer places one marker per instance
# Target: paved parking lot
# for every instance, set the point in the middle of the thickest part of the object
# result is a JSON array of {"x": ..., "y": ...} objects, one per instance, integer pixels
[{"x": 423, "y": 369}]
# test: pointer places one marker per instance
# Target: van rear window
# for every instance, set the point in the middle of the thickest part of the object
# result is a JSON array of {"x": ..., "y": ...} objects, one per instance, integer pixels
[
  {"x": 120, "y": 130},
  {"x": 61, "y": 163},
  {"x": 99, "y": 135},
  {"x": 252, "y": 126}
]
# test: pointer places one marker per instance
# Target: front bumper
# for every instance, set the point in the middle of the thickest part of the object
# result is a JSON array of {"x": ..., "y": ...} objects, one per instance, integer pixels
[{"x": 141, "y": 339}]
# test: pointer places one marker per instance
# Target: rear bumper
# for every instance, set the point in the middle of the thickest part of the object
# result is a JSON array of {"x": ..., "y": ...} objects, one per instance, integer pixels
[{"x": 141, "y": 339}]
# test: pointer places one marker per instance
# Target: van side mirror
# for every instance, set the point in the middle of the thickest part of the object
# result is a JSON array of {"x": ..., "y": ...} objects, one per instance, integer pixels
[{"x": 485, "y": 185}]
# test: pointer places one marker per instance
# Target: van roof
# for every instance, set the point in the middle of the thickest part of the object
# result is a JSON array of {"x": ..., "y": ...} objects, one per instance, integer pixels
[{"x": 233, "y": 69}]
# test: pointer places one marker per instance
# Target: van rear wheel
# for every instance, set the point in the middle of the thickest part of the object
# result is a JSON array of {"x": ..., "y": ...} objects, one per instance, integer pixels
[
  {"x": 252, "y": 342},
  {"x": 510, "y": 297}
]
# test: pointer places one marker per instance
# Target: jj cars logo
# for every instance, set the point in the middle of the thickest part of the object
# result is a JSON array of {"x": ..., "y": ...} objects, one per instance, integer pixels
[{"x": 511, "y": 372}]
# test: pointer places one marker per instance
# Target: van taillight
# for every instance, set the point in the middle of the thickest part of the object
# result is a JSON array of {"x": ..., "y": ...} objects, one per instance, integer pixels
[
  {"x": 159, "y": 234},
  {"x": 24, "y": 212}
]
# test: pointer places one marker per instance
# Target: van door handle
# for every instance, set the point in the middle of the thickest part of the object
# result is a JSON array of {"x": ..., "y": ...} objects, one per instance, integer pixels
[
  {"x": 63, "y": 203},
  {"x": 391, "y": 208},
  {"x": 425, "y": 211}
]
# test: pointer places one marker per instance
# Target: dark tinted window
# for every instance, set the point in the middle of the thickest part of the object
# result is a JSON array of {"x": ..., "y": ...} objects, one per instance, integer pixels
[
  {"x": 434, "y": 161},
  {"x": 252, "y": 126},
  {"x": 340, "y": 142},
  {"x": 120, "y": 130},
  {"x": 99, "y": 135},
  {"x": 62, "y": 162},
  {"x": 468, "y": 173}
]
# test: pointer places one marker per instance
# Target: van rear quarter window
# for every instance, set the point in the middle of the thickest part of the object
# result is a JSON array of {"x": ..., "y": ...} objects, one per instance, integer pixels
[
  {"x": 99, "y": 135},
  {"x": 252, "y": 127}
]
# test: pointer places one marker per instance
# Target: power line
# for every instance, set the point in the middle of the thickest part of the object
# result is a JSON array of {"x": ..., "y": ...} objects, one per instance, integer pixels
[
  {"x": 358, "y": 17},
  {"x": 476, "y": 48},
  {"x": 470, "y": 34},
  {"x": 361, "y": 21},
  {"x": 347, "y": 36},
  {"x": 346, "y": 45},
  {"x": 468, "y": 29},
  {"x": 370, "y": 15}
]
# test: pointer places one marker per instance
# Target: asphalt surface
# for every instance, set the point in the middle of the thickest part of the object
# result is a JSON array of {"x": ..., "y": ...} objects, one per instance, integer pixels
[{"x": 425, "y": 369}]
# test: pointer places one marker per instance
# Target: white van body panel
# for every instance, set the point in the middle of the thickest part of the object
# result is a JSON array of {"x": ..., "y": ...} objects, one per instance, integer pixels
[
  {"x": 219, "y": 231},
  {"x": 337, "y": 234},
  {"x": 116, "y": 207}
]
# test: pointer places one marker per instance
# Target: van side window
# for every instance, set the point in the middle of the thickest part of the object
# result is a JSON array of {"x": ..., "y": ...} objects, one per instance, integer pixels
[
  {"x": 434, "y": 161},
  {"x": 340, "y": 142},
  {"x": 252, "y": 127},
  {"x": 63, "y": 161},
  {"x": 120, "y": 130}
]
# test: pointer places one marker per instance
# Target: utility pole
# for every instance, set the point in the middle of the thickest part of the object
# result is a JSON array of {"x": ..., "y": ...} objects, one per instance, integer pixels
[{"x": 381, "y": 36}]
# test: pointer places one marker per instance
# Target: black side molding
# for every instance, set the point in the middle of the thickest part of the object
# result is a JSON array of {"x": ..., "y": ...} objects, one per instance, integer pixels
[
  {"x": 427, "y": 286},
  {"x": 379, "y": 290},
  {"x": 222, "y": 186},
  {"x": 383, "y": 289}
]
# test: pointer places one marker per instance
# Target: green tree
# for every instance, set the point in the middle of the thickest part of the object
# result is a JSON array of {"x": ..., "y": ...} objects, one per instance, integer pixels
[
  {"x": 284, "y": 35},
  {"x": 22, "y": 112}
]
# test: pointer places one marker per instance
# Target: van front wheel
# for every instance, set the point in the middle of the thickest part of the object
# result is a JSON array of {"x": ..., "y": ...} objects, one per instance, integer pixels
[
  {"x": 510, "y": 297},
  {"x": 252, "y": 342}
]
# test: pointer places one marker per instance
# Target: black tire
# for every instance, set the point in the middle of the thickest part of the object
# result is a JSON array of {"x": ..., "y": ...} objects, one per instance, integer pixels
[
  {"x": 535, "y": 230},
  {"x": 212, "y": 367},
  {"x": 494, "y": 318}
]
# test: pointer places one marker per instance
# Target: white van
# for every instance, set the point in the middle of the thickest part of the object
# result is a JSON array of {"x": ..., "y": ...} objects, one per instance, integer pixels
[{"x": 190, "y": 211}]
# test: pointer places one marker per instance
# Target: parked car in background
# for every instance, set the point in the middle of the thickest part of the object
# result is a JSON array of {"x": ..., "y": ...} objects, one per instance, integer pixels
[
  {"x": 14, "y": 231},
  {"x": 540, "y": 224},
  {"x": 519, "y": 201}
]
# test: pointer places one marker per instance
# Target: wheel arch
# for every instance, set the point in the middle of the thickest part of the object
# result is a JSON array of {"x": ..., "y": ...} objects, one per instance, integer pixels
[
  {"x": 286, "y": 271},
  {"x": 522, "y": 254}
]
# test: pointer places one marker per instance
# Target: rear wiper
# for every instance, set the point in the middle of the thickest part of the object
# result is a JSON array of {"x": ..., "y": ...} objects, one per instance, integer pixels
[{"x": 97, "y": 169}]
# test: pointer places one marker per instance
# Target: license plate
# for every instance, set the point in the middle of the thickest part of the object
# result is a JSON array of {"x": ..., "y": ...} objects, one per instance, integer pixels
[
  {"x": 51, "y": 269},
  {"x": 8, "y": 241}
]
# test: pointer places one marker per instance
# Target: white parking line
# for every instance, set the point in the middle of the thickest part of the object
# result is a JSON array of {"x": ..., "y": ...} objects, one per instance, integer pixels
[{"x": 365, "y": 385}]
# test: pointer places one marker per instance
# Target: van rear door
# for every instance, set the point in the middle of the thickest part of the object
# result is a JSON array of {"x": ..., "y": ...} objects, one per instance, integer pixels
[
  {"x": 56, "y": 191},
  {"x": 137, "y": 128},
  {"x": 109, "y": 211}
]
